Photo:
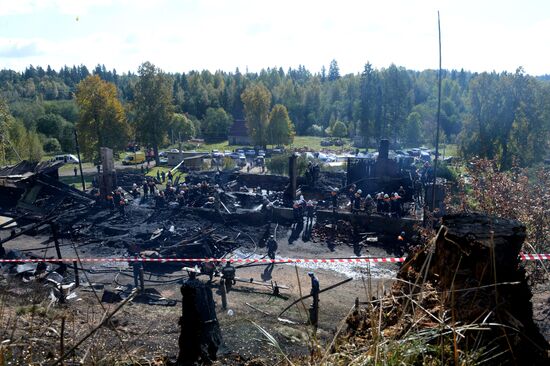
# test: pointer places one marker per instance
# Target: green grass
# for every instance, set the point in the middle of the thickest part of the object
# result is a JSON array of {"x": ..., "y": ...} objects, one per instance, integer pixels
[
  {"x": 76, "y": 181},
  {"x": 312, "y": 142},
  {"x": 165, "y": 169}
]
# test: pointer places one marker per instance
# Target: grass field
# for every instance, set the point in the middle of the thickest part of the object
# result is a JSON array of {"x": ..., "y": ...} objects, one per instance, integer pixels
[{"x": 312, "y": 142}]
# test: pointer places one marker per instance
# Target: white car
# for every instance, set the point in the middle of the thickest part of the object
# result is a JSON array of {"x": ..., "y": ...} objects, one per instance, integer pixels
[{"x": 66, "y": 158}]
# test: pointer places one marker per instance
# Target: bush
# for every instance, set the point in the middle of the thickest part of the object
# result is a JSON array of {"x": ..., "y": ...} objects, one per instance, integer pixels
[
  {"x": 315, "y": 130},
  {"x": 228, "y": 163},
  {"x": 444, "y": 171},
  {"x": 279, "y": 165},
  {"x": 339, "y": 129},
  {"x": 51, "y": 145}
]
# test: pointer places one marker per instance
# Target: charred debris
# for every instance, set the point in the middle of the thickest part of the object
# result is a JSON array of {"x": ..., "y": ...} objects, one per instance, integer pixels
[{"x": 209, "y": 215}]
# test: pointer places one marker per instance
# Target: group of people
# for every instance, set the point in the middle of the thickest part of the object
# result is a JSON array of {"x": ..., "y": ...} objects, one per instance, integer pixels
[
  {"x": 115, "y": 200},
  {"x": 190, "y": 195},
  {"x": 390, "y": 204},
  {"x": 301, "y": 208}
]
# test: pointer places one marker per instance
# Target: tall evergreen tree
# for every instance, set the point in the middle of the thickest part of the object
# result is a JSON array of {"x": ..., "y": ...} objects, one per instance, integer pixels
[{"x": 333, "y": 71}]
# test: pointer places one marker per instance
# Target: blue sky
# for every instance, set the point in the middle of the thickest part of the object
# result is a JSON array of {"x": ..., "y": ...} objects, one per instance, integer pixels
[{"x": 208, "y": 34}]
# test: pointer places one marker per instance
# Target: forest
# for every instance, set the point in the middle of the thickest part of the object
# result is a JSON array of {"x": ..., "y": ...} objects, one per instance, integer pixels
[{"x": 502, "y": 116}]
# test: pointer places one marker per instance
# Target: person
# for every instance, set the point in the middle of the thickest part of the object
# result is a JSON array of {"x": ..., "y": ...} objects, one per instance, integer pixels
[
  {"x": 135, "y": 191},
  {"x": 396, "y": 204},
  {"x": 401, "y": 236},
  {"x": 121, "y": 203},
  {"x": 138, "y": 272},
  {"x": 310, "y": 210},
  {"x": 210, "y": 203},
  {"x": 379, "y": 202},
  {"x": 75, "y": 171},
  {"x": 208, "y": 268},
  {"x": 111, "y": 201},
  {"x": 369, "y": 204},
  {"x": 145, "y": 188},
  {"x": 334, "y": 198},
  {"x": 296, "y": 211},
  {"x": 271, "y": 247},
  {"x": 356, "y": 204},
  {"x": 158, "y": 176},
  {"x": 228, "y": 273},
  {"x": 163, "y": 176},
  {"x": 401, "y": 191},
  {"x": 314, "y": 308},
  {"x": 386, "y": 204},
  {"x": 170, "y": 175}
]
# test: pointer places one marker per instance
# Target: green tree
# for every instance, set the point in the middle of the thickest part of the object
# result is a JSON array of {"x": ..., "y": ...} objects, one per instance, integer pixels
[
  {"x": 257, "y": 100},
  {"x": 280, "y": 130},
  {"x": 413, "y": 128},
  {"x": 216, "y": 124},
  {"x": 50, "y": 125},
  {"x": 182, "y": 127},
  {"x": 16, "y": 142},
  {"x": 33, "y": 147},
  {"x": 339, "y": 129},
  {"x": 51, "y": 145},
  {"x": 102, "y": 121},
  {"x": 333, "y": 71},
  {"x": 153, "y": 106}
]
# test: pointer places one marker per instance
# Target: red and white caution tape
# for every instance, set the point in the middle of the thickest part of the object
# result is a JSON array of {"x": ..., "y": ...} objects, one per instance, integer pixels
[
  {"x": 523, "y": 257},
  {"x": 534, "y": 257},
  {"x": 220, "y": 260}
]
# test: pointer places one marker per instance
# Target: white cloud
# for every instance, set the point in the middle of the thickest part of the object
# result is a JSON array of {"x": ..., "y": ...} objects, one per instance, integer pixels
[{"x": 208, "y": 34}]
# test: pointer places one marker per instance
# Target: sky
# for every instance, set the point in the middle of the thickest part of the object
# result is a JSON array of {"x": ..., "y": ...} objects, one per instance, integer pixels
[{"x": 184, "y": 35}]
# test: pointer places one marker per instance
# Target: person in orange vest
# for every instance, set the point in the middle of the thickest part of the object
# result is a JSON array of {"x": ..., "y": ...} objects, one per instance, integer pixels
[
  {"x": 110, "y": 201},
  {"x": 395, "y": 204},
  {"x": 387, "y": 204}
]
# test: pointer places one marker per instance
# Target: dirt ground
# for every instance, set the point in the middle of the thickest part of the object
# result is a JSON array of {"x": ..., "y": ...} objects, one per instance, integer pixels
[
  {"x": 142, "y": 331},
  {"x": 30, "y": 324}
]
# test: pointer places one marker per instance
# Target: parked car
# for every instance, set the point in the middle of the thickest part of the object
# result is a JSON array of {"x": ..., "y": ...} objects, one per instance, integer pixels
[
  {"x": 216, "y": 154},
  {"x": 242, "y": 160},
  {"x": 66, "y": 158},
  {"x": 326, "y": 143},
  {"x": 235, "y": 155},
  {"x": 250, "y": 153},
  {"x": 261, "y": 153}
]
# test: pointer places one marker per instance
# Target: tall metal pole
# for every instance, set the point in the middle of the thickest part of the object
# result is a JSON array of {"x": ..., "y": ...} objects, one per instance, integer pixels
[
  {"x": 438, "y": 114},
  {"x": 79, "y": 161}
]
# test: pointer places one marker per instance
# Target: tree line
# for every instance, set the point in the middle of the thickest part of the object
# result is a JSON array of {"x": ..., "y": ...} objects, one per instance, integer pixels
[{"x": 503, "y": 116}]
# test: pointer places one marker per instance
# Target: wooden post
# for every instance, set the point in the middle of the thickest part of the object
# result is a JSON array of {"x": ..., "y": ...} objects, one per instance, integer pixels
[
  {"x": 53, "y": 227},
  {"x": 62, "y": 338},
  {"x": 223, "y": 294}
]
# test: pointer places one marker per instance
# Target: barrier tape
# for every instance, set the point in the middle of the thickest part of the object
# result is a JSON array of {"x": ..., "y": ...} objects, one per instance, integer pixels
[{"x": 523, "y": 257}]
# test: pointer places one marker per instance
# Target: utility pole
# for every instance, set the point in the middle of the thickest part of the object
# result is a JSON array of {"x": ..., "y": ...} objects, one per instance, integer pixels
[
  {"x": 79, "y": 161},
  {"x": 438, "y": 115}
]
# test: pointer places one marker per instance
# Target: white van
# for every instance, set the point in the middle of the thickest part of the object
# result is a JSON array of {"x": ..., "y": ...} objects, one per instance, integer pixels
[{"x": 67, "y": 158}]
